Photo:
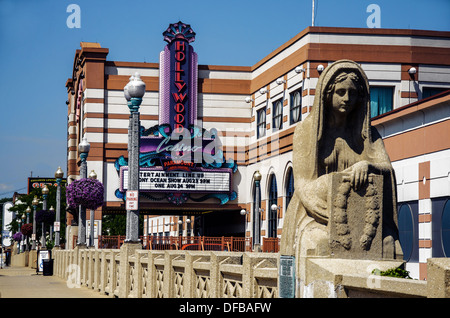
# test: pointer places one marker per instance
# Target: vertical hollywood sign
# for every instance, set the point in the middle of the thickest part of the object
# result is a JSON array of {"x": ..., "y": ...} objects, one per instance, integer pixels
[
  {"x": 180, "y": 97},
  {"x": 178, "y": 78}
]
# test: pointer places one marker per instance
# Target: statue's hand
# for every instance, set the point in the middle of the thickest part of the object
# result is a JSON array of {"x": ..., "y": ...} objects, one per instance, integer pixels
[{"x": 359, "y": 173}]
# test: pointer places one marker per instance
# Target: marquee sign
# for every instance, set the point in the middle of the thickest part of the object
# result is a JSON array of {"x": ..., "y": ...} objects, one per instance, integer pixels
[
  {"x": 179, "y": 160},
  {"x": 39, "y": 183},
  {"x": 203, "y": 181}
]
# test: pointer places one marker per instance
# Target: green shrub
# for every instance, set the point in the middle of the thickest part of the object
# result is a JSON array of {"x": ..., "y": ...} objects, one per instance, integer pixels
[{"x": 393, "y": 272}]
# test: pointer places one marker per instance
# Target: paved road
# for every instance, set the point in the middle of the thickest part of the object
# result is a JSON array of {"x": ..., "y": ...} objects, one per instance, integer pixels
[{"x": 23, "y": 282}]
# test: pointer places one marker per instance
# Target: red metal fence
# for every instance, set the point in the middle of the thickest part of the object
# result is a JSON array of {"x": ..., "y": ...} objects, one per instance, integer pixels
[
  {"x": 271, "y": 244},
  {"x": 192, "y": 243}
]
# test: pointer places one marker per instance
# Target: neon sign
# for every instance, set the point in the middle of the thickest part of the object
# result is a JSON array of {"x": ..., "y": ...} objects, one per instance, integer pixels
[{"x": 178, "y": 74}]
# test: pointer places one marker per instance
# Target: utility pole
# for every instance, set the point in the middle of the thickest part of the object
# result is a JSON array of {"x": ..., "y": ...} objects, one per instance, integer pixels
[{"x": 312, "y": 12}]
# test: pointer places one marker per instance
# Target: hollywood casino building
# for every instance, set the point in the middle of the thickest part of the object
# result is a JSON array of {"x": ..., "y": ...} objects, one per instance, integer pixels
[{"x": 243, "y": 119}]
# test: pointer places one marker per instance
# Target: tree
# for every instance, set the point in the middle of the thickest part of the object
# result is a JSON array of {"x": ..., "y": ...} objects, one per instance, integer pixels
[
  {"x": 26, "y": 199},
  {"x": 115, "y": 224}
]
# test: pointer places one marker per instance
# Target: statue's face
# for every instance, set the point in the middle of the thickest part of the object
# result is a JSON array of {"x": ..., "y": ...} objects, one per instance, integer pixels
[{"x": 344, "y": 97}]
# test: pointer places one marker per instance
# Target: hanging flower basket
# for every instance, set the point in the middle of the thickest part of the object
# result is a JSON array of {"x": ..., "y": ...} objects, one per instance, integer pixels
[
  {"x": 85, "y": 192},
  {"x": 27, "y": 229},
  {"x": 45, "y": 216},
  {"x": 17, "y": 237}
]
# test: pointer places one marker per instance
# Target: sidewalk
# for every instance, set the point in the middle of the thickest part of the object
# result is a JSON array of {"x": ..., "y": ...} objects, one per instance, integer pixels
[{"x": 23, "y": 282}]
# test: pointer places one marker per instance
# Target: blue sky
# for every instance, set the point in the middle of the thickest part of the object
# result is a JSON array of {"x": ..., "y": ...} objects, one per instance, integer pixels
[{"x": 37, "y": 50}]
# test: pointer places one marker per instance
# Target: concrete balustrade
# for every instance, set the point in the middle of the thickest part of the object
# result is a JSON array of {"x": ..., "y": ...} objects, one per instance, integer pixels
[
  {"x": 137, "y": 273},
  {"x": 157, "y": 274}
]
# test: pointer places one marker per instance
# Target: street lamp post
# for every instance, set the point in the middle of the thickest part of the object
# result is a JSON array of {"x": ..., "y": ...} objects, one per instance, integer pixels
[
  {"x": 19, "y": 221},
  {"x": 92, "y": 175},
  {"x": 58, "y": 175},
  {"x": 133, "y": 91},
  {"x": 44, "y": 207},
  {"x": 52, "y": 210},
  {"x": 28, "y": 210},
  {"x": 35, "y": 202},
  {"x": 24, "y": 237},
  {"x": 83, "y": 149},
  {"x": 257, "y": 218}
]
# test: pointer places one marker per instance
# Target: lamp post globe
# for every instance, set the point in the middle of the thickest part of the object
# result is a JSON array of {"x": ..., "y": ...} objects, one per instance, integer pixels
[
  {"x": 84, "y": 146},
  {"x": 59, "y": 173},
  {"x": 135, "y": 87},
  {"x": 45, "y": 190},
  {"x": 134, "y": 91},
  {"x": 92, "y": 175}
]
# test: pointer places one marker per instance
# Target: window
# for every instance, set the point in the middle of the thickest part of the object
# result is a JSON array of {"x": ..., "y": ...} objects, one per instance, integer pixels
[
  {"x": 296, "y": 106},
  {"x": 440, "y": 224},
  {"x": 445, "y": 234},
  {"x": 381, "y": 100},
  {"x": 289, "y": 187},
  {"x": 277, "y": 117},
  {"x": 408, "y": 228},
  {"x": 430, "y": 91},
  {"x": 273, "y": 200},
  {"x": 261, "y": 123}
]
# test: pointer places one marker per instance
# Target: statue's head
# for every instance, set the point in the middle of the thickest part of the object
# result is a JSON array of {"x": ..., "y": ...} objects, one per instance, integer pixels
[{"x": 343, "y": 93}]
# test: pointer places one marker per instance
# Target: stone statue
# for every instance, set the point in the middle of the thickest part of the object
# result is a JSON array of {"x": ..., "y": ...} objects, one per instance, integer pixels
[{"x": 344, "y": 204}]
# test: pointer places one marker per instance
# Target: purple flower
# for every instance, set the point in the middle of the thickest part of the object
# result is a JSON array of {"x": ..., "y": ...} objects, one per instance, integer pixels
[
  {"x": 17, "y": 237},
  {"x": 85, "y": 192}
]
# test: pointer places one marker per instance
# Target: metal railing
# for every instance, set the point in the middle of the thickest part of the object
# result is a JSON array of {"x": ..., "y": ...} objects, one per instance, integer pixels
[
  {"x": 196, "y": 243},
  {"x": 192, "y": 243},
  {"x": 271, "y": 244}
]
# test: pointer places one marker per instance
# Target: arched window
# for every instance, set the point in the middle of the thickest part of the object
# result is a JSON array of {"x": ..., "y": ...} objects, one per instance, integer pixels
[
  {"x": 296, "y": 105},
  {"x": 273, "y": 200},
  {"x": 261, "y": 122},
  {"x": 445, "y": 233},
  {"x": 406, "y": 230},
  {"x": 277, "y": 120},
  {"x": 289, "y": 187}
]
